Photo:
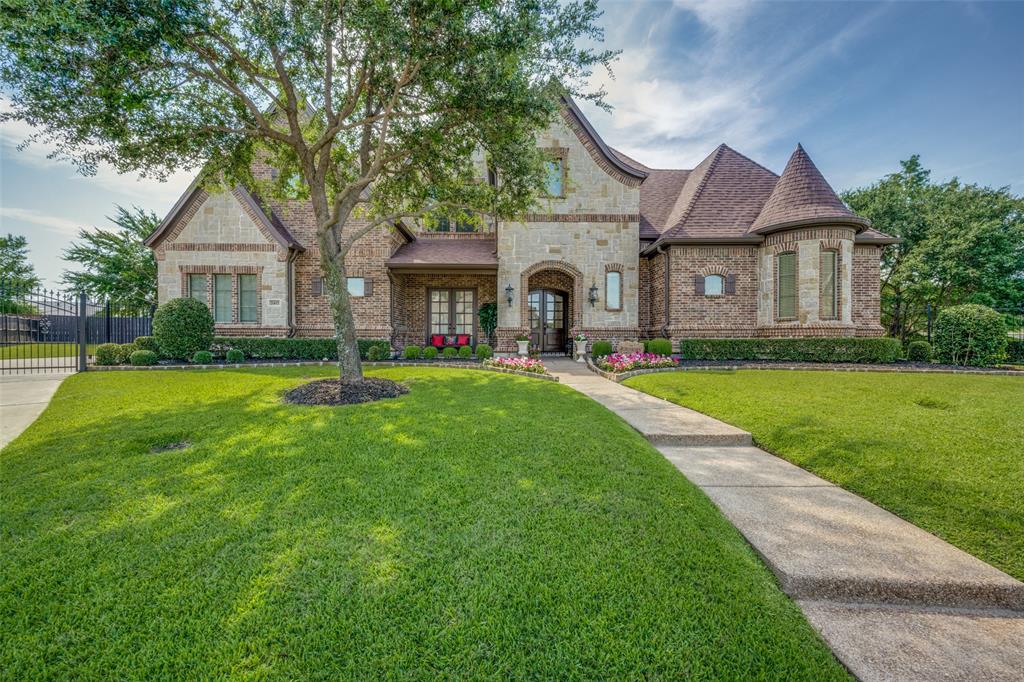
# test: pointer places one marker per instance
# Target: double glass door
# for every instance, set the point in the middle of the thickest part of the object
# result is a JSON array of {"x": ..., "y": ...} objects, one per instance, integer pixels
[
  {"x": 547, "y": 319},
  {"x": 452, "y": 311}
]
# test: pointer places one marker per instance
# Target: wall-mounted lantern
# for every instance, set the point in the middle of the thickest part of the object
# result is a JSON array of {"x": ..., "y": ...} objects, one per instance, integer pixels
[
  {"x": 593, "y": 295},
  {"x": 509, "y": 291}
]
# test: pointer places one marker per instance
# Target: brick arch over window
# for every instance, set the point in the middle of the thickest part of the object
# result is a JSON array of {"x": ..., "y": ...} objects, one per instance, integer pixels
[{"x": 559, "y": 266}]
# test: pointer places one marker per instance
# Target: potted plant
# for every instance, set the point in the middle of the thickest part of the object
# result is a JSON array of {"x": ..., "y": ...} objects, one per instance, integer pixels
[
  {"x": 523, "y": 342},
  {"x": 580, "y": 342}
]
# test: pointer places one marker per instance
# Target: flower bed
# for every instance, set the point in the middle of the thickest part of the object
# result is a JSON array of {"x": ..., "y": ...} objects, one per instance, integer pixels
[
  {"x": 619, "y": 362},
  {"x": 530, "y": 365}
]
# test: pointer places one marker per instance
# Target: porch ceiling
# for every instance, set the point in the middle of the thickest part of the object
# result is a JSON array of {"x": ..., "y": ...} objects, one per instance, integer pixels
[{"x": 448, "y": 254}]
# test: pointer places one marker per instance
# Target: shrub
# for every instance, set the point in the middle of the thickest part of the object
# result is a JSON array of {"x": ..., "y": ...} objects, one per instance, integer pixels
[
  {"x": 450, "y": 353},
  {"x": 601, "y": 348},
  {"x": 658, "y": 346},
  {"x": 1015, "y": 351},
  {"x": 430, "y": 353},
  {"x": 620, "y": 362},
  {"x": 465, "y": 352},
  {"x": 124, "y": 352},
  {"x": 181, "y": 327},
  {"x": 919, "y": 351},
  {"x": 875, "y": 349},
  {"x": 235, "y": 356},
  {"x": 202, "y": 357},
  {"x": 147, "y": 343},
  {"x": 108, "y": 354},
  {"x": 143, "y": 357},
  {"x": 970, "y": 335},
  {"x": 483, "y": 352},
  {"x": 377, "y": 352},
  {"x": 412, "y": 353},
  {"x": 265, "y": 348}
]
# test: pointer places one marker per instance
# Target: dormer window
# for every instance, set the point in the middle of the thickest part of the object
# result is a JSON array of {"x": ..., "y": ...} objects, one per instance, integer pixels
[{"x": 554, "y": 183}]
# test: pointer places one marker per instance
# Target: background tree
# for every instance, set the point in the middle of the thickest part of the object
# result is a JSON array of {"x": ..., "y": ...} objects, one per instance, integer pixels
[
  {"x": 115, "y": 263},
  {"x": 961, "y": 244},
  {"x": 16, "y": 274},
  {"x": 381, "y": 108}
]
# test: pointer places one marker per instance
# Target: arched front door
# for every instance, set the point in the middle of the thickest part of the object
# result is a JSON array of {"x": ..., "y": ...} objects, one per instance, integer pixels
[{"x": 548, "y": 317}]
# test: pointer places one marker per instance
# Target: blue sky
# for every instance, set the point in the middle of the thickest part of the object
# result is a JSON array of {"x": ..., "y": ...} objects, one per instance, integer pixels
[{"x": 860, "y": 84}]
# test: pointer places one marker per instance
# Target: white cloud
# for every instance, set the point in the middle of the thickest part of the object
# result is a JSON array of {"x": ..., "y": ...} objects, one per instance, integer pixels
[
  {"x": 720, "y": 16},
  {"x": 29, "y": 215}
]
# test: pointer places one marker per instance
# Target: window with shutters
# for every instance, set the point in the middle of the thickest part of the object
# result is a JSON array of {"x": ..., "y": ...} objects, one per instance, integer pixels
[
  {"x": 613, "y": 290},
  {"x": 714, "y": 285},
  {"x": 829, "y": 290},
  {"x": 247, "y": 311},
  {"x": 785, "y": 292},
  {"x": 222, "y": 298}
]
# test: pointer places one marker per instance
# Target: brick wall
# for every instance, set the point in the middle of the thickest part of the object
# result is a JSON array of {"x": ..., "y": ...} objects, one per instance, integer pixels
[
  {"x": 695, "y": 314},
  {"x": 411, "y": 301},
  {"x": 867, "y": 280}
]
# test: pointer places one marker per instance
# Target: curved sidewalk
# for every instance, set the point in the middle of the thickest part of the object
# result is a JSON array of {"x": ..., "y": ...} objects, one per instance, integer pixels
[
  {"x": 23, "y": 397},
  {"x": 892, "y": 601}
]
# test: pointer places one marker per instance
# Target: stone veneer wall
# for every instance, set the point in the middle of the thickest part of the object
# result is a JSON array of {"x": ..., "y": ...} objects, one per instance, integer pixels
[
  {"x": 411, "y": 301},
  {"x": 593, "y": 226}
]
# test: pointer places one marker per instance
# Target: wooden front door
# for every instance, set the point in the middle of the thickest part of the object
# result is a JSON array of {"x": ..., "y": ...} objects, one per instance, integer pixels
[{"x": 548, "y": 315}]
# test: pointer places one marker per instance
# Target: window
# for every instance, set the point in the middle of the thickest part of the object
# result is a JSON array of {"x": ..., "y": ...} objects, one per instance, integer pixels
[
  {"x": 555, "y": 176},
  {"x": 492, "y": 176},
  {"x": 452, "y": 311},
  {"x": 222, "y": 298},
  {"x": 785, "y": 293},
  {"x": 356, "y": 286},
  {"x": 247, "y": 298},
  {"x": 714, "y": 285},
  {"x": 613, "y": 290},
  {"x": 829, "y": 302},
  {"x": 445, "y": 224},
  {"x": 197, "y": 288}
]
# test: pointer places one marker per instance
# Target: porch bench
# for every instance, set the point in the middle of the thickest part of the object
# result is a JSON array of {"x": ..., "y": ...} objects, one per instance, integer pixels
[{"x": 445, "y": 341}]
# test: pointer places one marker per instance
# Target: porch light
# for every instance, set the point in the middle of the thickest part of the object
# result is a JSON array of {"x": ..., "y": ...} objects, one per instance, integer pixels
[
  {"x": 508, "y": 294},
  {"x": 593, "y": 294}
]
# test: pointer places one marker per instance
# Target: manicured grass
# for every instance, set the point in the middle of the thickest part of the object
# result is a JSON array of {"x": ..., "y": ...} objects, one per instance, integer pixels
[
  {"x": 482, "y": 526},
  {"x": 21, "y": 351},
  {"x": 943, "y": 451}
]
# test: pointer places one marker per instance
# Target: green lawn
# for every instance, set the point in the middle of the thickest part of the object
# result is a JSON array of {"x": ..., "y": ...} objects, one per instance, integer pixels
[
  {"x": 943, "y": 451},
  {"x": 482, "y": 526},
  {"x": 21, "y": 351}
]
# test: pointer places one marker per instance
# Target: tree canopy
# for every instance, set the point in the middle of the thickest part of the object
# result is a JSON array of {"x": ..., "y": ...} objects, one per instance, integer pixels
[
  {"x": 962, "y": 243},
  {"x": 17, "y": 274},
  {"x": 116, "y": 264},
  {"x": 382, "y": 109}
]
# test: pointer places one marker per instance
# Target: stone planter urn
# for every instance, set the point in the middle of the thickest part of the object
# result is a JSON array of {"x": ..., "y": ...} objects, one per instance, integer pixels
[
  {"x": 581, "y": 350},
  {"x": 524, "y": 347}
]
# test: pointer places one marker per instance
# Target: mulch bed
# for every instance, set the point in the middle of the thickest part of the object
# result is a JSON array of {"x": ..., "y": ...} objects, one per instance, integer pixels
[{"x": 334, "y": 392}]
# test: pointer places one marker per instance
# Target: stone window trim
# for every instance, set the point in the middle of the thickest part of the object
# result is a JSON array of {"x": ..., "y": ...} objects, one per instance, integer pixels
[
  {"x": 608, "y": 269},
  {"x": 234, "y": 271},
  {"x": 560, "y": 266},
  {"x": 796, "y": 283},
  {"x": 559, "y": 154},
  {"x": 836, "y": 283}
]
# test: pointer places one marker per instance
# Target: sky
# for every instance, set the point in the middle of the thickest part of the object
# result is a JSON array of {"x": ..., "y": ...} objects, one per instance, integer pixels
[{"x": 861, "y": 85}]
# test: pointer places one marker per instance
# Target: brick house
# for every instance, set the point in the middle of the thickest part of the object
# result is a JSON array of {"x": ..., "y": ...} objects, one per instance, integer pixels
[{"x": 615, "y": 249}]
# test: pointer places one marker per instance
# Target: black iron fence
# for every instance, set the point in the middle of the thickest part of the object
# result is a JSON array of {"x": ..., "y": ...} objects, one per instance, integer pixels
[
  {"x": 50, "y": 331},
  {"x": 1014, "y": 318}
]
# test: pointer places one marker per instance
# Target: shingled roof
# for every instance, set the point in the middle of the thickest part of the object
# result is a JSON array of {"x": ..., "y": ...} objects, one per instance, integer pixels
[
  {"x": 451, "y": 254},
  {"x": 803, "y": 196}
]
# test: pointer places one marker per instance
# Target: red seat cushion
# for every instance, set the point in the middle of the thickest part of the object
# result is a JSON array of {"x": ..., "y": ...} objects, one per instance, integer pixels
[
  {"x": 462, "y": 340},
  {"x": 437, "y": 340}
]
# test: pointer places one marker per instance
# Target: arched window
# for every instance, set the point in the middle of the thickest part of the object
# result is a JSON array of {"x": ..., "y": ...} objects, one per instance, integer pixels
[
  {"x": 613, "y": 290},
  {"x": 714, "y": 285}
]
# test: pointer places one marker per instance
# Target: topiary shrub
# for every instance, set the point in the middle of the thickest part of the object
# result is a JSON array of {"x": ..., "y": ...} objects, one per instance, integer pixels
[
  {"x": 970, "y": 335},
  {"x": 465, "y": 352},
  {"x": 450, "y": 353},
  {"x": 141, "y": 358},
  {"x": 412, "y": 353},
  {"x": 124, "y": 352},
  {"x": 108, "y": 354},
  {"x": 147, "y": 343},
  {"x": 484, "y": 352},
  {"x": 919, "y": 351},
  {"x": 234, "y": 356},
  {"x": 658, "y": 346},
  {"x": 202, "y": 357},
  {"x": 376, "y": 353},
  {"x": 601, "y": 348},
  {"x": 182, "y": 327},
  {"x": 430, "y": 353}
]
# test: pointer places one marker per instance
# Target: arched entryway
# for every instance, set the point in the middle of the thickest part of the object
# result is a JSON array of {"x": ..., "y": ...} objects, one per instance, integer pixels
[{"x": 549, "y": 319}]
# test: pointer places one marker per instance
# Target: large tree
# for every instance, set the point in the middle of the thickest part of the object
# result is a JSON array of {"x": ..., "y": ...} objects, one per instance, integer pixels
[
  {"x": 115, "y": 264},
  {"x": 961, "y": 243},
  {"x": 17, "y": 274},
  {"x": 380, "y": 107}
]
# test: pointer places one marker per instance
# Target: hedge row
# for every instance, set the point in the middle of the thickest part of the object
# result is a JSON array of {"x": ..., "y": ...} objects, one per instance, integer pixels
[
  {"x": 1015, "y": 351},
  {"x": 794, "y": 350},
  {"x": 260, "y": 348}
]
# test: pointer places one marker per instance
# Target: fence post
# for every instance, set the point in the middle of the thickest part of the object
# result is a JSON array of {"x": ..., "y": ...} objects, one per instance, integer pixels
[
  {"x": 107, "y": 337},
  {"x": 928, "y": 312},
  {"x": 83, "y": 329}
]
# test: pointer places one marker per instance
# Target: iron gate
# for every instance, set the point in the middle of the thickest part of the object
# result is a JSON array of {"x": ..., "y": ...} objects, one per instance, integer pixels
[{"x": 55, "y": 331}]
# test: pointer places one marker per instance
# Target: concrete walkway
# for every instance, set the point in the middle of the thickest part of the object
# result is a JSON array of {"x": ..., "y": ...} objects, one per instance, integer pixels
[
  {"x": 892, "y": 601},
  {"x": 23, "y": 397}
]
